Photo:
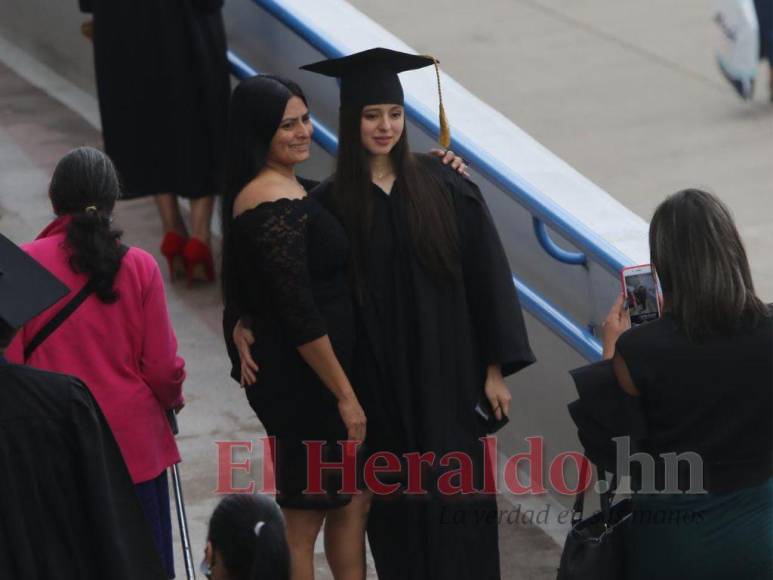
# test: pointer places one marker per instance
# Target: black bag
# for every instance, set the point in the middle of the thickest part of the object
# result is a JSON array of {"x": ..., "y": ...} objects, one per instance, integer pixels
[{"x": 595, "y": 547}]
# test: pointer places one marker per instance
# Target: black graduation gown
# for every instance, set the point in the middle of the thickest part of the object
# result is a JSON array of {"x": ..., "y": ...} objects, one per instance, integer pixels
[
  {"x": 68, "y": 510},
  {"x": 421, "y": 354},
  {"x": 163, "y": 86}
]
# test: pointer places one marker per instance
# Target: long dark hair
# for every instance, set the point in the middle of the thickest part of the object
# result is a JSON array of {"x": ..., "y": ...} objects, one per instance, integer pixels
[
  {"x": 428, "y": 206},
  {"x": 85, "y": 185},
  {"x": 251, "y": 550},
  {"x": 702, "y": 265},
  {"x": 257, "y": 106}
]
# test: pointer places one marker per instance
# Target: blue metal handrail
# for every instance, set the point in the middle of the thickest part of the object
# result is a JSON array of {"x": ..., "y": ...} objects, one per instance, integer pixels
[
  {"x": 553, "y": 249},
  {"x": 579, "y": 338}
]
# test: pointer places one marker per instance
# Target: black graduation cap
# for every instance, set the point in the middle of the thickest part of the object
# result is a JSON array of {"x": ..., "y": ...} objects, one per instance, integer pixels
[
  {"x": 370, "y": 78},
  {"x": 26, "y": 287}
]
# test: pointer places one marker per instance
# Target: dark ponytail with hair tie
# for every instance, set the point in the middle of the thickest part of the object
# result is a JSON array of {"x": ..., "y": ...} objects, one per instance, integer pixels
[
  {"x": 85, "y": 186},
  {"x": 247, "y": 531}
]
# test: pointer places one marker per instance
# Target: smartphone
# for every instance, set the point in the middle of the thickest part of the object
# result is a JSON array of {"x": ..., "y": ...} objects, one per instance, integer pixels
[
  {"x": 642, "y": 293},
  {"x": 487, "y": 416}
]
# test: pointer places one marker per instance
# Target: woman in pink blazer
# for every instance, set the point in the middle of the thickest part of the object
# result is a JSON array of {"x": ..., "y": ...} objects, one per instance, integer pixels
[{"x": 119, "y": 341}]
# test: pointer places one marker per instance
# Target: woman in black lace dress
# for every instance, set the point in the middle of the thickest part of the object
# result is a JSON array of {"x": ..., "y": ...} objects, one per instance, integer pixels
[{"x": 284, "y": 270}]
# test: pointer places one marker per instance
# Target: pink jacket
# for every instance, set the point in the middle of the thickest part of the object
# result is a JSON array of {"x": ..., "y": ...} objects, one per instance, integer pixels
[{"x": 125, "y": 352}]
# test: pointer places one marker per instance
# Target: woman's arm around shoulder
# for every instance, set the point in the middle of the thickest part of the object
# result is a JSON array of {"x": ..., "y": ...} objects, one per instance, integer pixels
[{"x": 453, "y": 175}]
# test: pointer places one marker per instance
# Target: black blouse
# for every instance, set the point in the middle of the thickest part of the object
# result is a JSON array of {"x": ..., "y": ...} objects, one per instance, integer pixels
[
  {"x": 713, "y": 397},
  {"x": 290, "y": 277}
]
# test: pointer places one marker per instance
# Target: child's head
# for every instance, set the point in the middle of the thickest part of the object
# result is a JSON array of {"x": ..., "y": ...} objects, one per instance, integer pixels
[{"x": 246, "y": 540}]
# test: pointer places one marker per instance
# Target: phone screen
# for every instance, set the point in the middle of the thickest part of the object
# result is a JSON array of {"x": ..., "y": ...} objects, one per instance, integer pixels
[{"x": 642, "y": 297}]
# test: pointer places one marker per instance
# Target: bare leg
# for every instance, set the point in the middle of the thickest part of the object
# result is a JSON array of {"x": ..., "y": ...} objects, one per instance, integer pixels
[
  {"x": 302, "y": 530},
  {"x": 169, "y": 210},
  {"x": 201, "y": 218},
  {"x": 345, "y": 538}
]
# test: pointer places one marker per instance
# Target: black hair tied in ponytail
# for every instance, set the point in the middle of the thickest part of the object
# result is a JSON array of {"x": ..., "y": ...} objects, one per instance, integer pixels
[{"x": 85, "y": 185}]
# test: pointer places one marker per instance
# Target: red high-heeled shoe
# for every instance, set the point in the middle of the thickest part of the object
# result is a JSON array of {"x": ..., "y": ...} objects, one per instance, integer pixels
[
  {"x": 199, "y": 265},
  {"x": 172, "y": 248}
]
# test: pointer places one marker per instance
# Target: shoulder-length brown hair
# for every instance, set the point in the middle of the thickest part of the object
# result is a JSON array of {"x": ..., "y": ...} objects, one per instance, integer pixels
[{"x": 702, "y": 266}]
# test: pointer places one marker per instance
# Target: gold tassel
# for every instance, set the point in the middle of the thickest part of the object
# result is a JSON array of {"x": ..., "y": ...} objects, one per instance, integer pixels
[{"x": 445, "y": 129}]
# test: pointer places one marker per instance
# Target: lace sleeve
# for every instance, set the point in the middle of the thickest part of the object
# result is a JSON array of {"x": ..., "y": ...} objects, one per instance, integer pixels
[{"x": 280, "y": 242}]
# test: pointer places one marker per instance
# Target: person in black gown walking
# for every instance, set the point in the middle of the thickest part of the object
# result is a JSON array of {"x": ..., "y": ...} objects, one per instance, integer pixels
[
  {"x": 163, "y": 87},
  {"x": 284, "y": 270},
  {"x": 439, "y": 321}
]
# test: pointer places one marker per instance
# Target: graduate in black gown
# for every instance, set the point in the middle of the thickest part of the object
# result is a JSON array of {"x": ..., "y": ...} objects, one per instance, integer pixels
[
  {"x": 439, "y": 321},
  {"x": 68, "y": 510},
  {"x": 163, "y": 85}
]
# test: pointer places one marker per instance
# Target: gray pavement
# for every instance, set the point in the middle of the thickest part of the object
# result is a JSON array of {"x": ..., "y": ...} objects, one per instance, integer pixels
[{"x": 625, "y": 91}]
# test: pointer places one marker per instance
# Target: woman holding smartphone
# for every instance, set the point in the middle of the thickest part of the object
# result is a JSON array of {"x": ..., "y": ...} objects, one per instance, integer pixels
[
  {"x": 704, "y": 372},
  {"x": 163, "y": 85}
]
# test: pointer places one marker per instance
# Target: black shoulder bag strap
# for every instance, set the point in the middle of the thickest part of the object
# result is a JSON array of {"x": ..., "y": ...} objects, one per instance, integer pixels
[
  {"x": 605, "y": 499},
  {"x": 63, "y": 314}
]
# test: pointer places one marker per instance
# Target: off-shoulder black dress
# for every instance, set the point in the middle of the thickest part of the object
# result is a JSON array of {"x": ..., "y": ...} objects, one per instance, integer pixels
[{"x": 289, "y": 279}]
